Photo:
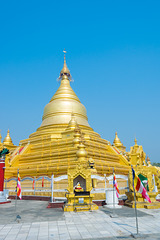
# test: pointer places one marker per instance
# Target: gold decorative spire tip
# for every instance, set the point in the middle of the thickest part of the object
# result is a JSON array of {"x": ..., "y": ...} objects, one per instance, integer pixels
[
  {"x": 65, "y": 73},
  {"x": 135, "y": 140},
  {"x": 64, "y": 55}
]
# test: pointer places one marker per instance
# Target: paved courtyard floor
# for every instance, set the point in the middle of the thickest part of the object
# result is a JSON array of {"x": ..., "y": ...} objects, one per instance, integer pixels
[{"x": 38, "y": 222}]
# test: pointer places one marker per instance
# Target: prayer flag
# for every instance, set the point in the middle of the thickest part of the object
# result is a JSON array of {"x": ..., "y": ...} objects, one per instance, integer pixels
[
  {"x": 33, "y": 184},
  {"x": 139, "y": 186},
  {"x": 19, "y": 187},
  {"x": 43, "y": 182},
  {"x": 115, "y": 185}
]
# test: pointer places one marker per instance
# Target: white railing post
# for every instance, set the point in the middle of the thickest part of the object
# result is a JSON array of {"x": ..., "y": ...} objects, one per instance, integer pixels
[
  {"x": 52, "y": 182},
  {"x": 155, "y": 187},
  {"x": 105, "y": 182},
  {"x": 34, "y": 186}
]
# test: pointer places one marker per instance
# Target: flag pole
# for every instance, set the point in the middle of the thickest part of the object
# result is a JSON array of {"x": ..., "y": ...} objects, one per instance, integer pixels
[
  {"x": 52, "y": 179},
  {"x": 16, "y": 191},
  {"x": 135, "y": 203},
  {"x": 113, "y": 192},
  {"x": 105, "y": 182},
  {"x": 113, "y": 215}
]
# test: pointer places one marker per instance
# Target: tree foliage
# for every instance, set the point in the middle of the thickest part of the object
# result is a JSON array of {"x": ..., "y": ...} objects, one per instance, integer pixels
[
  {"x": 4, "y": 152},
  {"x": 156, "y": 164}
]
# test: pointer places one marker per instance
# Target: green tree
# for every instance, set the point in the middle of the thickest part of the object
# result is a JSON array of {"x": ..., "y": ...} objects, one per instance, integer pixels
[{"x": 156, "y": 164}]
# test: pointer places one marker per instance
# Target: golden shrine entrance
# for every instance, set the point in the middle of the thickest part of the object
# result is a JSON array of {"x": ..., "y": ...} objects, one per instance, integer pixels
[{"x": 79, "y": 196}]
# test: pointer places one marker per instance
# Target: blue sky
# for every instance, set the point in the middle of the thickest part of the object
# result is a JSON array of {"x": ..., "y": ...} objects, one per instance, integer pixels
[{"x": 113, "y": 53}]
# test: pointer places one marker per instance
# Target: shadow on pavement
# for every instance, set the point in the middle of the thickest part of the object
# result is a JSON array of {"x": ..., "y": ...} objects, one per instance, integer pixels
[
  {"x": 124, "y": 212},
  {"x": 29, "y": 211}
]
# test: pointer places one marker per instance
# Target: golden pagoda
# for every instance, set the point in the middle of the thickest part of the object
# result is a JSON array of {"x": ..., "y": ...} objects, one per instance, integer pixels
[
  {"x": 53, "y": 148},
  {"x": 7, "y": 142},
  {"x": 117, "y": 143}
]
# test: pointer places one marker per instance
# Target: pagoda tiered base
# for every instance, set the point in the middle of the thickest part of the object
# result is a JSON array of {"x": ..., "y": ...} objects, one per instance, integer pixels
[{"x": 140, "y": 203}]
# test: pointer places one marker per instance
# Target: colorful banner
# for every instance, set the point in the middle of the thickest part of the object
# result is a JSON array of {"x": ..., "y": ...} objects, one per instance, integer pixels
[
  {"x": 115, "y": 185},
  {"x": 139, "y": 186},
  {"x": 19, "y": 187}
]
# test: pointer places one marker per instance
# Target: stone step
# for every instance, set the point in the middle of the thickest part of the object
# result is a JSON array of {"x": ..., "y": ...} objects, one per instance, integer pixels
[
  {"x": 152, "y": 206},
  {"x": 81, "y": 208}
]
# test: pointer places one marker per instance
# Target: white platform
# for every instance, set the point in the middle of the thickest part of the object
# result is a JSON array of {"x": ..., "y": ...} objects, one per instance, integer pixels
[
  {"x": 4, "y": 196},
  {"x": 111, "y": 200}
]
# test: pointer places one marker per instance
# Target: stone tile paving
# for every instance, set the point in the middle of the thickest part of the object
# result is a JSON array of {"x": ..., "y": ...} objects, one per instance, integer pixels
[{"x": 39, "y": 223}]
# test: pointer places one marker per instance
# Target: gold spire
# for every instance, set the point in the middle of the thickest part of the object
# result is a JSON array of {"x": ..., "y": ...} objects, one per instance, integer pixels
[
  {"x": 135, "y": 140},
  {"x": 148, "y": 161},
  {"x": 7, "y": 140},
  {"x": 117, "y": 141},
  {"x": 0, "y": 136},
  {"x": 65, "y": 73}
]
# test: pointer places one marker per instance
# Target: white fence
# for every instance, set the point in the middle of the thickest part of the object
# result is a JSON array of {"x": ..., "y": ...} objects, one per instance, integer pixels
[
  {"x": 110, "y": 179},
  {"x": 64, "y": 177},
  {"x": 39, "y": 189}
]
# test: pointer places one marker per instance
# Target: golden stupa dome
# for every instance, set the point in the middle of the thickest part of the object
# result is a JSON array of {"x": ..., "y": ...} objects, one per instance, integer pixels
[
  {"x": 64, "y": 103},
  {"x": 117, "y": 141},
  {"x": 7, "y": 140}
]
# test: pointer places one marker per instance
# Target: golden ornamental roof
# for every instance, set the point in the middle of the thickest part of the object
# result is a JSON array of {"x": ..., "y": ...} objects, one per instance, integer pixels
[{"x": 7, "y": 140}]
